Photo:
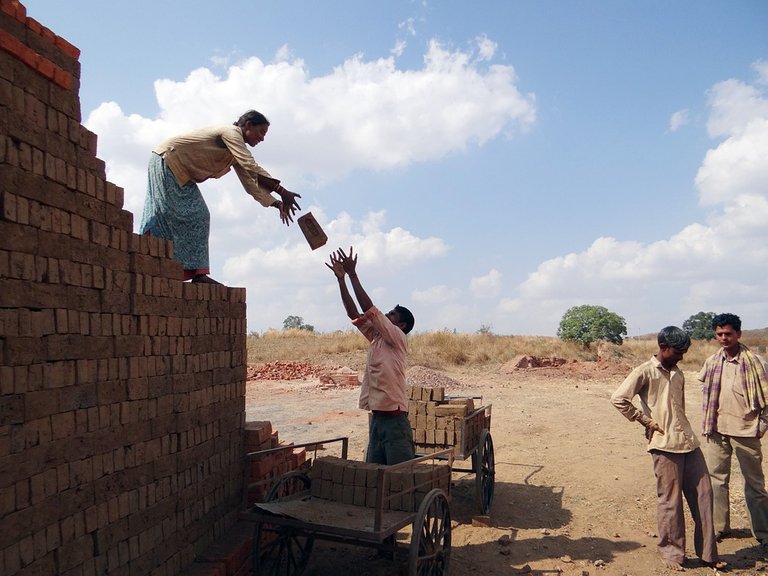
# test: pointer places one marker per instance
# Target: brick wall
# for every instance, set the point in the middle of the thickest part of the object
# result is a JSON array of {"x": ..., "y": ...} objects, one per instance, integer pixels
[{"x": 121, "y": 387}]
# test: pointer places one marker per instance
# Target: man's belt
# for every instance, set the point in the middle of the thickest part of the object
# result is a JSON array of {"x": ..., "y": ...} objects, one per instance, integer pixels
[{"x": 389, "y": 412}]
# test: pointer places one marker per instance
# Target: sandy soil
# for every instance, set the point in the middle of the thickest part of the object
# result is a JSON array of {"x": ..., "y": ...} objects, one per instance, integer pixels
[{"x": 574, "y": 492}]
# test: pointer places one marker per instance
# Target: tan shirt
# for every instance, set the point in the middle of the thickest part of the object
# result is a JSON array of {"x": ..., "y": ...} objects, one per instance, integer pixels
[
  {"x": 734, "y": 416},
  {"x": 210, "y": 153},
  {"x": 662, "y": 397},
  {"x": 383, "y": 385}
]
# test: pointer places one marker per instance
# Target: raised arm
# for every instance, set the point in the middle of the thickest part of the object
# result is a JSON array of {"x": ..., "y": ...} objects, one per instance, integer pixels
[
  {"x": 349, "y": 262},
  {"x": 346, "y": 298}
]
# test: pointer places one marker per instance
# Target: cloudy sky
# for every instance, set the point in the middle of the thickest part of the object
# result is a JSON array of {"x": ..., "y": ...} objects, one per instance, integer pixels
[{"x": 494, "y": 163}]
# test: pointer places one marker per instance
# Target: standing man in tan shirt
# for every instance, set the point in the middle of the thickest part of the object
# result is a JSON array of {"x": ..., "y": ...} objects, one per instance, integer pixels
[
  {"x": 390, "y": 438},
  {"x": 677, "y": 459},
  {"x": 735, "y": 389}
]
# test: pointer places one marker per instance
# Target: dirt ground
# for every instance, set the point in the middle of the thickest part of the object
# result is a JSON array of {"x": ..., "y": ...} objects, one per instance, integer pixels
[{"x": 574, "y": 490}]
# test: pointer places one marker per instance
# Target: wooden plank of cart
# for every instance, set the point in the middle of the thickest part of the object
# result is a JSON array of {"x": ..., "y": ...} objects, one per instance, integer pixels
[
  {"x": 356, "y": 503},
  {"x": 439, "y": 422}
]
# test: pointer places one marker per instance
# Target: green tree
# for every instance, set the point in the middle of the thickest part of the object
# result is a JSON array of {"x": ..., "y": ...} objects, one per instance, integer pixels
[
  {"x": 586, "y": 324},
  {"x": 485, "y": 330},
  {"x": 297, "y": 323},
  {"x": 699, "y": 326}
]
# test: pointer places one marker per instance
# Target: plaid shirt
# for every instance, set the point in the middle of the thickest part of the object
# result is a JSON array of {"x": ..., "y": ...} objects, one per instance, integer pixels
[{"x": 752, "y": 379}]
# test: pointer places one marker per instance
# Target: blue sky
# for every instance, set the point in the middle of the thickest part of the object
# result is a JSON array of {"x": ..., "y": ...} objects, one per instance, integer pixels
[{"x": 493, "y": 163}]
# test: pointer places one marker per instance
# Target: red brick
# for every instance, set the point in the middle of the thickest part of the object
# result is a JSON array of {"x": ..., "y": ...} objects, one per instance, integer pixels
[
  {"x": 232, "y": 549},
  {"x": 67, "y": 48},
  {"x": 40, "y": 404},
  {"x": 62, "y": 424}
]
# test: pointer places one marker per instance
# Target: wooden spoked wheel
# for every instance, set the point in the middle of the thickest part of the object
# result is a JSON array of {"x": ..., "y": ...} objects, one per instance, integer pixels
[
  {"x": 282, "y": 550},
  {"x": 430, "y": 550},
  {"x": 485, "y": 472}
]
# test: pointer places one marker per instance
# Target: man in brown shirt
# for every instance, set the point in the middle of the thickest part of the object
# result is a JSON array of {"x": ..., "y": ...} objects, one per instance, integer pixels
[{"x": 677, "y": 459}]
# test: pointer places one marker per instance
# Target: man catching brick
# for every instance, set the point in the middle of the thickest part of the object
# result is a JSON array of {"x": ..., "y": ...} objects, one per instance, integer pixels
[{"x": 390, "y": 439}]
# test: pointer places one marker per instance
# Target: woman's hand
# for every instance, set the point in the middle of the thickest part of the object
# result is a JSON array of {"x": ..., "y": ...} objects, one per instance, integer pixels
[{"x": 289, "y": 206}]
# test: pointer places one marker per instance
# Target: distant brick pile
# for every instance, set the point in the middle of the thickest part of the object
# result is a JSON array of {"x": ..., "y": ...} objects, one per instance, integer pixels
[{"x": 121, "y": 387}]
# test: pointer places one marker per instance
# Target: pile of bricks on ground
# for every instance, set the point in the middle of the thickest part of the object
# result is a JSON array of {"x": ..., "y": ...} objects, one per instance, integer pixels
[
  {"x": 263, "y": 470},
  {"x": 357, "y": 483},
  {"x": 342, "y": 377},
  {"x": 439, "y": 423},
  {"x": 279, "y": 370},
  {"x": 282, "y": 371}
]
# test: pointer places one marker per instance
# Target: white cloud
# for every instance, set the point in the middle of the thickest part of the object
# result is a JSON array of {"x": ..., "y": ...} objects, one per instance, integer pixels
[
  {"x": 486, "y": 48},
  {"x": 737, "y": 167},
  {"x": 678, "y": 120},
  {"x": 734, "y": 105},
  {"x": 486, "y": 286},
  {"x": 761, "y": 68},
  {"x": 433, "y": 295},
  {"x": 409, "y": 25},
  {"x": 399, "y": 48}
]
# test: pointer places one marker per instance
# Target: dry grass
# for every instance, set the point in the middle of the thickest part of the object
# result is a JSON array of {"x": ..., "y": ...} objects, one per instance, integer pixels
[{"x": 445, "y": 350}]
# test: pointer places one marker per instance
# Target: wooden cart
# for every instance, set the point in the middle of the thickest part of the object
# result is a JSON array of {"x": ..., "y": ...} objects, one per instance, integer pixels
[
  {"x": 299, "y": 509},
  {"x": 439, "y": 422}
]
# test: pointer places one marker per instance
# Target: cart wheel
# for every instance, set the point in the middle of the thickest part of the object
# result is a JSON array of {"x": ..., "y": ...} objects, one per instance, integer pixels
[
  {"x": 282, "y": 550},
  {"x": 485, "y": 473},
  {"x": 431, "y": 539},
  {"x": 288, "y": 484}
]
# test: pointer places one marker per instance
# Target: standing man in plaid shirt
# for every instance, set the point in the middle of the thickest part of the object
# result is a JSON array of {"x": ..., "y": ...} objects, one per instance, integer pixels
[{"x": 735, "y": 390}]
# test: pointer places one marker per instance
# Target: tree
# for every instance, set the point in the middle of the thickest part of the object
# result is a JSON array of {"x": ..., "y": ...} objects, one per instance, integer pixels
[
  {"x": 485, "y": 330},
  {"x": 297, "y": 323},
  {"x": 586, "y": 324},
  {"x": 699, "y": 326}
]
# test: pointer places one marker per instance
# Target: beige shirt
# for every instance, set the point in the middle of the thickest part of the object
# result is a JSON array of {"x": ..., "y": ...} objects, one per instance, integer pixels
[
  {"x": 210, "y": 153},
  {"x": 662, "y": 398},
  {"x": 383, "y": 385}
]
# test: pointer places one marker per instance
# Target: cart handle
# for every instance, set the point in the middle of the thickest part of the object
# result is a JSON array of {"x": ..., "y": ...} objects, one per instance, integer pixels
[{"x": 343, "y": 439}]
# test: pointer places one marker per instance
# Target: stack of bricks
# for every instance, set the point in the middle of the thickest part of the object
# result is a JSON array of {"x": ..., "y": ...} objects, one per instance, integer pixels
[
  {"x": 356, "y": 483},
  {"x": 438, "y": 423},
  {"x": 263, "y": 470},
  {"x": 121, "y": 387},
  {"x": 228, "y": 556},
  {"x": 342, "y": 377}
]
